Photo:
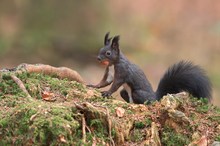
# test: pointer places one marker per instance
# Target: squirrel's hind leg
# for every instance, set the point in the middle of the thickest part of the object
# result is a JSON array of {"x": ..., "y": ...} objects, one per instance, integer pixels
[
  {"x": 138, "y": 96},
  {"x": 141, "y": 96},
  {"x": 124, "y": 95}
]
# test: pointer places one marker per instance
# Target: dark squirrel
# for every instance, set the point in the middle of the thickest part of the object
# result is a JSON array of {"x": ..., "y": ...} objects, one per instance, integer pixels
[{"x": 182, "y": 76}]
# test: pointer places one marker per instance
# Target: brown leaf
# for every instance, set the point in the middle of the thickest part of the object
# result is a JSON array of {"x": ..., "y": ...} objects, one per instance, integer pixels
[
  {"x": 174, "y": 125},
  {"x": 48, "y": 96},
  {"x": 94, "y": 141},
  {"x": 120, "y": 112},
  {"x": 218, "y": 127},
  {"x": 62, "y": 139},
  {"x": 90, "y": 93},
  {"x": 203, "y": 141}
]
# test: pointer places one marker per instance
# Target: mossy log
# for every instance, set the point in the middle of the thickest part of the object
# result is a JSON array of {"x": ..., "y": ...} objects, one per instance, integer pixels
[{"x": 61, "y": 72}]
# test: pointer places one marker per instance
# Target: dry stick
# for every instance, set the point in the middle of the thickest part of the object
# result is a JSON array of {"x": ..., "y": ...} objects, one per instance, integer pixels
[
  {"x": 78, "y": 106},
  {"x": 109, "y": 127},
  {"x": 109, "y": 124},
  {"x": 20, "y": 84},
  {"x": 88, "y": 129},
  {"x": 83, "y": 129}
]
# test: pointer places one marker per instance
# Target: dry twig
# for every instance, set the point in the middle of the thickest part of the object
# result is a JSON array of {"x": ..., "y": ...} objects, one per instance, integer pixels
[
  {"x": 109, "y": 127},
  {"x": 83, "y": 128},
  {"x": 20, "y": 84}
]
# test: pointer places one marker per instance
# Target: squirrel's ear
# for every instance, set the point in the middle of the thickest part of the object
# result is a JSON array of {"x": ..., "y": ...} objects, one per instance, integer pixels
[
  {"x": 107, "y": 40},
  {"x": 115, "y": 42}
]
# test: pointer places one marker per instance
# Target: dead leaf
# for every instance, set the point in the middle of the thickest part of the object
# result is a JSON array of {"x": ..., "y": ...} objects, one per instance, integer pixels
[
  {"x": 90, "y": 93},
  {"x": 196, "y": 136},
  {"x": 62, "y": 139},
  {"x": 218, "y": 127},
  {"x": 203, "y": 141},
  {"x": 174, "y": 125},
  {"x": 48, "y": 96},
  {"x": 94, "y": 141},
  {"x": 120, "y": 112}
]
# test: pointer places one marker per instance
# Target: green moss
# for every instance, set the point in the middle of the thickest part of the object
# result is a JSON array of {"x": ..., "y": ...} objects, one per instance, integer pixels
[
  {"x": 8, "y": 86},
  {"x": 40, "y": 123},
  {"x": 113, "y": 133},
  {"x": 99, "y": 99},
  {"x": 139, "y": 125},
  {"x": 204, "y": 100},
  {"x": 202, "y": 105},
  {"x": 136, "y": 135},
  {"x": 203, "y": 109},
  {"x": 62, "y": 111},
  {"x": 193, "y": 116},
  {"x": 24, "y": 76},
  {"x": 215, "y": 118},
  {"x": 100, "y": 130},
  {"x": 148, "y": 121},
  {"x": 35, "y": 83},
  {"x": 6, "y": 77},
  {"x": 171, "y": 138},
  {"x": 129, "y": 111},
  {"x": 142, "y": 124},
  {"x": 216, "y": 109},
  {"x": 217, "y": 138},
  {"x": 16, "y": 124}
]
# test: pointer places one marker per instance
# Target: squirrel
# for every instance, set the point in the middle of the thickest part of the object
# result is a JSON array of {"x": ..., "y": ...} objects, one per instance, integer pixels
[{"x": 182, "y": 76}]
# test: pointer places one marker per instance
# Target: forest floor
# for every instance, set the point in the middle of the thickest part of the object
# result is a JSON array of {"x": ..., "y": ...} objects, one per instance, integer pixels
[{"x": 49, "y": 110}]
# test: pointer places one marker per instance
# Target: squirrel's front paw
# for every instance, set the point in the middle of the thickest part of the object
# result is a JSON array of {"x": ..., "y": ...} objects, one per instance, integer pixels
[
  {"x": 106, "y": 94},
  {"x": 92, "y": 86}
]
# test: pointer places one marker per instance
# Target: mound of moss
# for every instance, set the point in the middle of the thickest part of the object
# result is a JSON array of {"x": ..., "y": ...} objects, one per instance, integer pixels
[{"x": 63, "y": 112}]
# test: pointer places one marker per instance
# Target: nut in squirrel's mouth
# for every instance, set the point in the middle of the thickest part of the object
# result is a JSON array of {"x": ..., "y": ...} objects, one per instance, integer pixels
[{"x": 104, "y": 62}]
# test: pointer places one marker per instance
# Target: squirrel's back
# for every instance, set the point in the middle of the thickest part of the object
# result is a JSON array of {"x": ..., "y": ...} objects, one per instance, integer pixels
[{"x": 185, "y": 76}]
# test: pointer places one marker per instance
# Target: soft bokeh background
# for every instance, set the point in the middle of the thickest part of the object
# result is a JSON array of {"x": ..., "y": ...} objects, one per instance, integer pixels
[{"x": 154, "y": 34}]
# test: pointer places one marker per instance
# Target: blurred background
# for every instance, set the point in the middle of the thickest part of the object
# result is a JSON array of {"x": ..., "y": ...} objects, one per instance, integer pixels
[{"x": 154, "y": 34}]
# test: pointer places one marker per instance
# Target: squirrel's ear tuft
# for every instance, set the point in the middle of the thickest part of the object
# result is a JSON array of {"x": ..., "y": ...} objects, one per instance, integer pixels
[
  {"x": 115, "y": 42},
  {"x": 107, "y": 40}
]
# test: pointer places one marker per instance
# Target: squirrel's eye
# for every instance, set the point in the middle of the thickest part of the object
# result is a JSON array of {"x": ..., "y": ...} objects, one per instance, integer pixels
[{"x": 108, "y": 53}]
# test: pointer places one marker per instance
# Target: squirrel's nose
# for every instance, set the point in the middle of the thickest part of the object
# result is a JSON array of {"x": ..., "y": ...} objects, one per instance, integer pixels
[{"x": 99, "y": 58}]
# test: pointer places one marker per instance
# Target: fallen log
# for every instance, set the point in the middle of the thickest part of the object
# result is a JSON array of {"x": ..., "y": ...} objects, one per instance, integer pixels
[{"x": 60, "y": 72}]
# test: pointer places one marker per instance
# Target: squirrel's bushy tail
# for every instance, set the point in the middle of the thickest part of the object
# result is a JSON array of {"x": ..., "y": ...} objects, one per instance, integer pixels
[{"x": 184, "y": 76}]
